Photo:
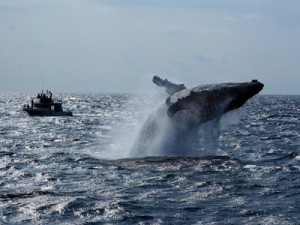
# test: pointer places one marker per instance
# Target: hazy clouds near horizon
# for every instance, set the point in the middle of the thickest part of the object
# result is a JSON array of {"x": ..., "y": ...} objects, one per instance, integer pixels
[{"x": 117, "y": 45}]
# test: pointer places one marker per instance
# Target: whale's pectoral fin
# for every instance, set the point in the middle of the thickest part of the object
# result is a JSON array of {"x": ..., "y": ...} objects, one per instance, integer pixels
[{"x": 170, "y": 87}]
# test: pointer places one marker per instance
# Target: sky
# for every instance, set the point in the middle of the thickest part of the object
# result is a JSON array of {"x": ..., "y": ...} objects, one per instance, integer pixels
[{"x": 118, "y": 45}]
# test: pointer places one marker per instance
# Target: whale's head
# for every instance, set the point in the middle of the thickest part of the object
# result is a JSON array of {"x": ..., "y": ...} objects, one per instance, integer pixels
[
  {"x": 206, "y": 102},
  {"x": 241, "y": 92}
]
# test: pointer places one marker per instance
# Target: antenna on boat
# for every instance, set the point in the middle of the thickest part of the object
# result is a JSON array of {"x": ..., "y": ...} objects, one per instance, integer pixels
[{"x": 43, "y": 81}]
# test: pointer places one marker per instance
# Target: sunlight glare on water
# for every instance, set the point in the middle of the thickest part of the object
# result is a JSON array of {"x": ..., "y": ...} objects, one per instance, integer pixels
[{"x": 74, "y": 170}]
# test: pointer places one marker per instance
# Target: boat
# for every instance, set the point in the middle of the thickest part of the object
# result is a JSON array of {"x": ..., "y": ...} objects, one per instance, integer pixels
[{"x": 44, "y": 105}]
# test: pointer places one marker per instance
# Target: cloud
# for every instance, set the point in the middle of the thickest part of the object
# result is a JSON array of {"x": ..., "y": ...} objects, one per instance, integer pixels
[
  {"x": 251, "y": 16},
  {"x": 230, "y": 18},
  {"x": 202, "y": 58},
  {"x": 101, "y": 41}
]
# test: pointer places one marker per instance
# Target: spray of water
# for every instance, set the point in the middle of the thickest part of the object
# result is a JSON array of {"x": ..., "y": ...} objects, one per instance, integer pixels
[
  {"x": 159, "y": 135},
  {"x": 125, "y": 126}
]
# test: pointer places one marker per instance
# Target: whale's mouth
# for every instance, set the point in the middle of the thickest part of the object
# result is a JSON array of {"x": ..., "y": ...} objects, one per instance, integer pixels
[{"x": 243, "y": 93}]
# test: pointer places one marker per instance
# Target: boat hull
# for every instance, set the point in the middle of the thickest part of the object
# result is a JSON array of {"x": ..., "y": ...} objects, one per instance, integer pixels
[{"x": 43, "y": 112}]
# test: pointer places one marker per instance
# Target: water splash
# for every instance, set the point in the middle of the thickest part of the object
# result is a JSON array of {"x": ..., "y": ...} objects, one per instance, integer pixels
[
  {"x": 137, "y": 134},
  {"x": 121, "y": 135}
]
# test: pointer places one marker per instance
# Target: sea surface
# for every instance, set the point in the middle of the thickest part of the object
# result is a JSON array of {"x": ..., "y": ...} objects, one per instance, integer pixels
[{"x": 76, "y": 170}]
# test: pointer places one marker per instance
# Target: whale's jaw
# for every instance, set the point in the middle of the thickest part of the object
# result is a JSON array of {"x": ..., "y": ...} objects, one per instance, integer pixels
[{"x": 242, "y": 93}]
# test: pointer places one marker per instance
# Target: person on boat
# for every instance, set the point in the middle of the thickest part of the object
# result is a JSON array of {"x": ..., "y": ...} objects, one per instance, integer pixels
[{"x": 32, "y": 102}]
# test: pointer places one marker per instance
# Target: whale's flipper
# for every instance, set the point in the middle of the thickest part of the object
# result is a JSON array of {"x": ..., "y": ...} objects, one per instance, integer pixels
[{"x": 170, "y": 87}]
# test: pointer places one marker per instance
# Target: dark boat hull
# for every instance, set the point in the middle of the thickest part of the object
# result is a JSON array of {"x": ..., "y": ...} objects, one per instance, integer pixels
[{"x": 46, "y": 112}]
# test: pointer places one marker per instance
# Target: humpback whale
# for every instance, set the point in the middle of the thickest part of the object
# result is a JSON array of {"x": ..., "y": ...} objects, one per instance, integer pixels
[{"x": 175, "y": 123}]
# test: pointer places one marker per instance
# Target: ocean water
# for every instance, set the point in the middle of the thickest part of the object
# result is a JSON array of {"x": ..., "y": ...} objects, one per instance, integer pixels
[{"x": 75, "y": 170}]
